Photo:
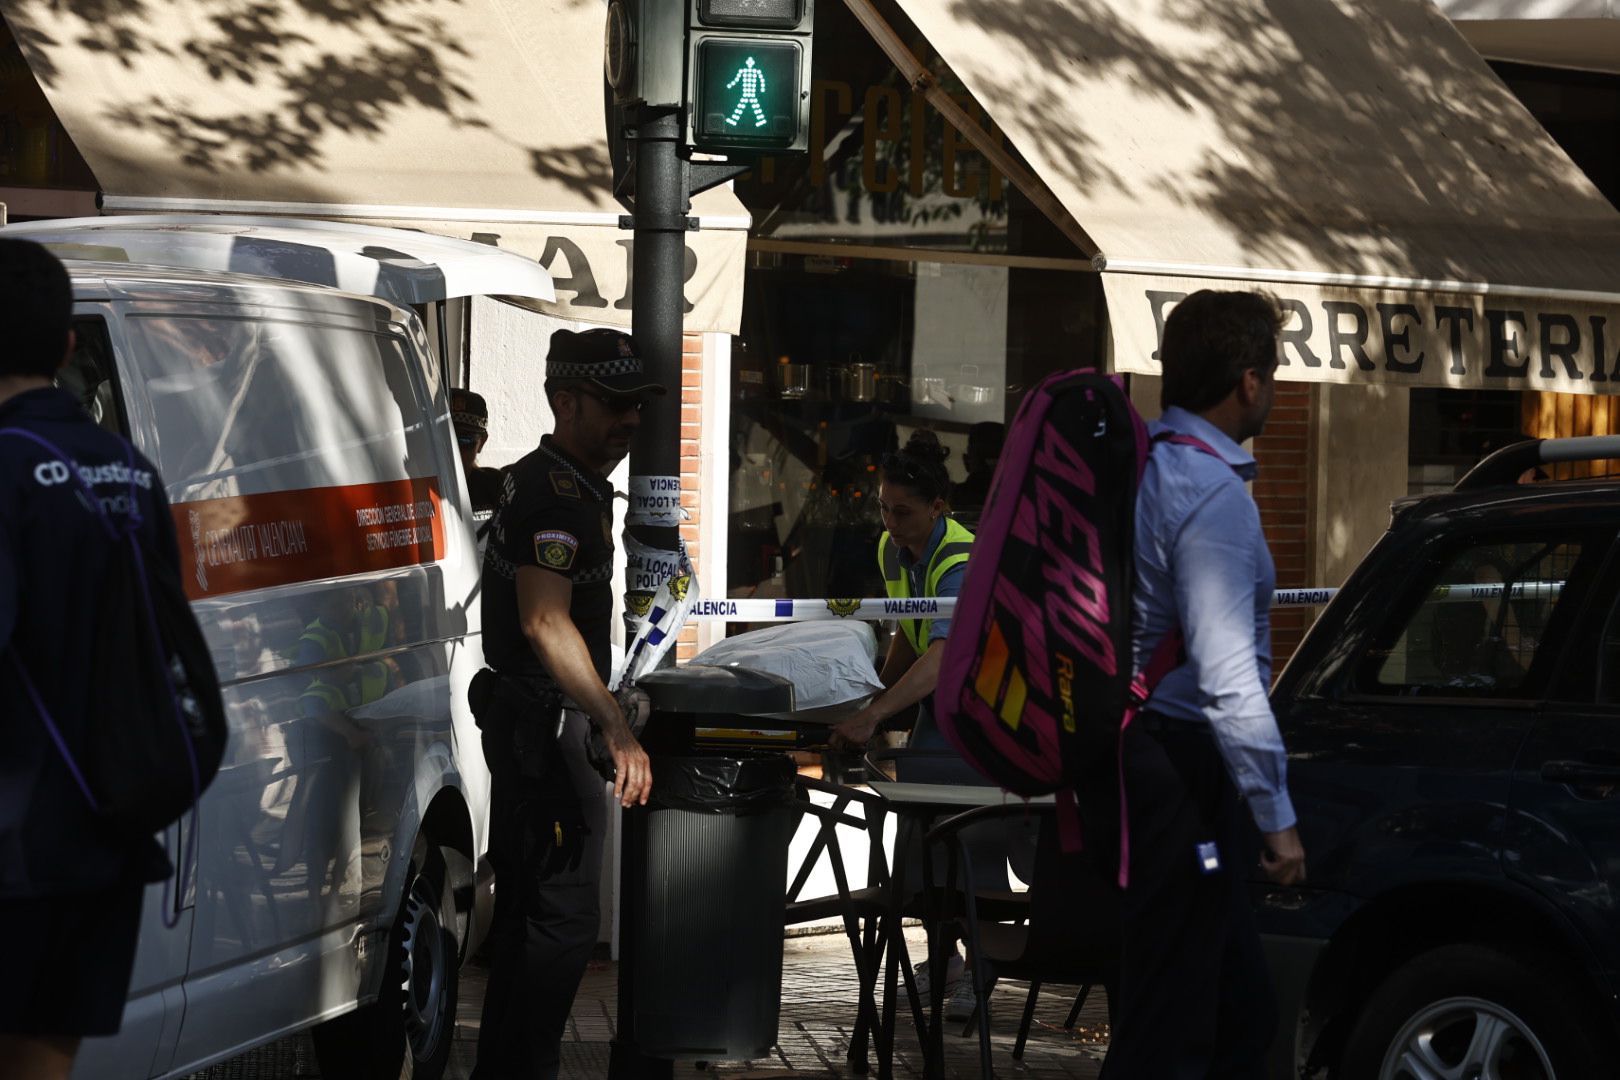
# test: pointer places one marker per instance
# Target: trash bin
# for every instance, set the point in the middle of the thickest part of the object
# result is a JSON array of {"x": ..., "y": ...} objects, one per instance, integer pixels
[{"x": 708, "y": 904}]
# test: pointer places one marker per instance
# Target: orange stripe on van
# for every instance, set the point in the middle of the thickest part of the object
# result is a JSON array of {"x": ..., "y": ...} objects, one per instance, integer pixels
[{"x": 243, "y": 542}]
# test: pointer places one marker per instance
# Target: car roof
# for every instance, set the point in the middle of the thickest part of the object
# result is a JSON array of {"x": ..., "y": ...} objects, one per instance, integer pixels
[
  {"x": 405, "y": 266},
  {"x": 1597, "y": 499},
  {"x": 99, "y": 280}
]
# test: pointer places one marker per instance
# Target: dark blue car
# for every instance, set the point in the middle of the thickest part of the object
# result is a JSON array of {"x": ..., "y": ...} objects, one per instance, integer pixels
[{"x": 1453, "y": 725}]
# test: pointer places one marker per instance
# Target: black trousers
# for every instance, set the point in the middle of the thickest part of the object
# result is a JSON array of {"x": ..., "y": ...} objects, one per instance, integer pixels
[
  {"x": 545, "y": 846},
  {"x": 1195, "y": 998}
]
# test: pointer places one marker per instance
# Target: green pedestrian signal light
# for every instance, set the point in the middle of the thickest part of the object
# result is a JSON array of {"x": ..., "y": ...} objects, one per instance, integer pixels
[
  {"x": 747, "y": 92},
  {"x": 753, "y": 81},
  {"x": 748, "y": 76}
]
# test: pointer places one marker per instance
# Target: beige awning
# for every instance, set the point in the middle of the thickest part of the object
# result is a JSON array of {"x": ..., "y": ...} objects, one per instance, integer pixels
[
  {"x": 472, "y": 118},
  {"x": 1354, "y": 156}
]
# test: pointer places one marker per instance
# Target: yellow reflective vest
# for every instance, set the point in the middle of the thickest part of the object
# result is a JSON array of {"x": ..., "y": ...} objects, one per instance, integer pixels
[{"x": 953, "y": 550}]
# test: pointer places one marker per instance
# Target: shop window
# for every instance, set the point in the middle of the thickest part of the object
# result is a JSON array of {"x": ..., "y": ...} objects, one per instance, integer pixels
[
  {"x": 1450, "y": 430},
  {"x": 896, "y": 281},
  {"x": 840, "y": 360}
]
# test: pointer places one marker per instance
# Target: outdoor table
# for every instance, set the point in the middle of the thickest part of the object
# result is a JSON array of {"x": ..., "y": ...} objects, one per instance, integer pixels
[{"x": 919, "y": 804}]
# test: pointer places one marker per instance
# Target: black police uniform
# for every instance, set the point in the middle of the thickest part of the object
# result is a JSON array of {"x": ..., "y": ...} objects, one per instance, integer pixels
[
  {"x": 547, "y": 809},
  {"x": 484, "y": 488},
  {"x": 72, "y": 884}
]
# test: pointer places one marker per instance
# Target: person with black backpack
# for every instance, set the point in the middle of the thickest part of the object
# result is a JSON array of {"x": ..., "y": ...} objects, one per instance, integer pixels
[{"x": 109, "y": 727}]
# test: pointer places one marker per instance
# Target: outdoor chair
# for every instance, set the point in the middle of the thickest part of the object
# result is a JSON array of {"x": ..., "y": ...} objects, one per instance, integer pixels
[
  {"x": 1071, "y": 935},
  {"x": 929, "y": 785},
  {"x": 861, "y": 910}
]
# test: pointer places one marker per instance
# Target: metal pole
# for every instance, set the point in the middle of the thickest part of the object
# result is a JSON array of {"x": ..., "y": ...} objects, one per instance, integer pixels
[
  {"x": 658, "y": 270},
  {"x": 657, "y": 299}
]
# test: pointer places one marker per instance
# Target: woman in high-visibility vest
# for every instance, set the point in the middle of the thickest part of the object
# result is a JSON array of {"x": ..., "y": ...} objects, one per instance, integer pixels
[{"x": 923, "y": 553}]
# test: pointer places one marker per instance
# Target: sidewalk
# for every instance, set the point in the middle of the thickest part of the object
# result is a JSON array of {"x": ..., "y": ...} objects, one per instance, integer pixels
[{"x": 818, "y": 1010}]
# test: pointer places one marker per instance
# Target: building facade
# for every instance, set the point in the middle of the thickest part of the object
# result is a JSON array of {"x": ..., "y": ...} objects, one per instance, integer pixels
[{"x": 993, "y": 193}]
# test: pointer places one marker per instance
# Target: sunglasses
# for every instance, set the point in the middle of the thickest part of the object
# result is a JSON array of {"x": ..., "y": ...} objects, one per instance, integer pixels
[{"x": 618, "y": 404}]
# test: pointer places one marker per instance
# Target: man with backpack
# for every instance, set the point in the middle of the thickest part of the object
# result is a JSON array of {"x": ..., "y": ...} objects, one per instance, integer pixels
[
  {"x": 70, "y": 879},
  {"x": 1205, "y": 752}
]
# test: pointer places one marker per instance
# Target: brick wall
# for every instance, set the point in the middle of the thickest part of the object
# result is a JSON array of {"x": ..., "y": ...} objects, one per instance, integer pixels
[
  {"x": 1282, "y": 492},
  {"x": 691, "y": 456}
]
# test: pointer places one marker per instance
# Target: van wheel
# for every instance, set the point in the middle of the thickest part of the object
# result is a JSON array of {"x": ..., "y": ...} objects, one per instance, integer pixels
[
  {"x": 407, "y": 1032},
  {"x": 1470, "y": 1011}
]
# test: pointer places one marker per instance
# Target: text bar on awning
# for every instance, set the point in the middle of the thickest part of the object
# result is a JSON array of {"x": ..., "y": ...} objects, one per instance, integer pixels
[{"x": 1349, "y": 329}]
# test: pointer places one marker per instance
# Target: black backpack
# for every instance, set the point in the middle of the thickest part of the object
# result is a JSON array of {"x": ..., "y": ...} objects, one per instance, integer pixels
[{"x": 155, "y": 730}]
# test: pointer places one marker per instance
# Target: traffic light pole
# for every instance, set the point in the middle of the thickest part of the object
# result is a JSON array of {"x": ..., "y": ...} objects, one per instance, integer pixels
[{"x": 657, "y": 299}]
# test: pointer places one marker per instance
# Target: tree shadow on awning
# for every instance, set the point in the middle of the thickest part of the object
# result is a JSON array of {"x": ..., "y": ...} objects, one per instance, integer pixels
[{"x": 1303, "y": 134}]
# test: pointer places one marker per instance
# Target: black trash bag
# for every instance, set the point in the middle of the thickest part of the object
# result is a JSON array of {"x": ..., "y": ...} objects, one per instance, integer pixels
[{"x": 735, "y": 783}]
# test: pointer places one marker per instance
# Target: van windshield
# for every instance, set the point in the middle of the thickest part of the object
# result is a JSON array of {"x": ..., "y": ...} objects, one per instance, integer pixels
[{"x": 249, "y": 406}]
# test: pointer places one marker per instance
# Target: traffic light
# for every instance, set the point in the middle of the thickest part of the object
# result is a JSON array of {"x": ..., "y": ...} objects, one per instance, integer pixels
[
  {"x": 642, "y": 53},
  {"x": 748, "y": 74}
]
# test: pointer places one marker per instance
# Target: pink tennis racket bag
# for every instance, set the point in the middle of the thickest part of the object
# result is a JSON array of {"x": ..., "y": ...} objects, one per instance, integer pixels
[{"x": 1036, "y": 683}]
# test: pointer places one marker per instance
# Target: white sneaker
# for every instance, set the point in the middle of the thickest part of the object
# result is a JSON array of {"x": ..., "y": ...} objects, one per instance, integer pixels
[
  {"x": 962, "y": 1002},
  {"x": 953, "y": 976}
]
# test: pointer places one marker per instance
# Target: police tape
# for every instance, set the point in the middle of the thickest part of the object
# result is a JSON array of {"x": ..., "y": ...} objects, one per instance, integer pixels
[
  {"x": 872, "y": 610},
  {"x": 757, "y": 610}
]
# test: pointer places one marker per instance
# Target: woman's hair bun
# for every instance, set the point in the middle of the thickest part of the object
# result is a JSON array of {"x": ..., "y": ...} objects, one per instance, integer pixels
[{"x": 924, "y": 446}]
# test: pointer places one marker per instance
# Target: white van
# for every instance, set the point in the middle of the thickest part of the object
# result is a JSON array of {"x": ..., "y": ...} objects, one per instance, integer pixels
[{"x": 304, "y": 438}]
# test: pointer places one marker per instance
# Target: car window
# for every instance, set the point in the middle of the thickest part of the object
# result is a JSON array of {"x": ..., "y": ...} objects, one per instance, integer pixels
[
  {"x": 91, "y": 376},
  {"x": 1479, "y": 621},
  {"x": 247, "y": 406},
  {"x": 1608, "y": 666}
]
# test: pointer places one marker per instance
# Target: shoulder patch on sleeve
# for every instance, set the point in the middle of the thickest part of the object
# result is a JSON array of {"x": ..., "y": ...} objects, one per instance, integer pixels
[
  {"x": 563, "y": 483},
  {"x": 555, "y": 549}
]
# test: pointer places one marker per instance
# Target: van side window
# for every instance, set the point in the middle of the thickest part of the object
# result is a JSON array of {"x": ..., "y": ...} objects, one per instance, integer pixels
[
  {"x": 1481, "y": 621},
  {"x": 91, "y": 376},
  {"x": 248, "y": 406}
]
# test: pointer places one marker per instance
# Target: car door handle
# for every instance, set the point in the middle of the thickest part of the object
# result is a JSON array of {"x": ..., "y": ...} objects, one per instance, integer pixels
[{"x": 1579, "y": 773}]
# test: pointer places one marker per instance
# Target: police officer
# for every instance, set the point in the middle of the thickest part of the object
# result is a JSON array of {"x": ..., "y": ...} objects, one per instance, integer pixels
[
  {"x": 548, "y": 609},
  {"x": 469, "y": 415}
]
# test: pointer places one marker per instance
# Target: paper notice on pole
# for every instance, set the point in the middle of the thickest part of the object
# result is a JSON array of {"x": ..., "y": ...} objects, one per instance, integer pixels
[
  {"x": 655, "y": 501},
  {"x": 649, "y": 567},
  {"x": 656, "y": 629}
]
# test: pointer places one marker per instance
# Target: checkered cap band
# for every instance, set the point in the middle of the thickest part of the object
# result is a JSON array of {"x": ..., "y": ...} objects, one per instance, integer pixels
[
  {"x": 602, "y": 369},
  {"x": 469, "y": 420}
]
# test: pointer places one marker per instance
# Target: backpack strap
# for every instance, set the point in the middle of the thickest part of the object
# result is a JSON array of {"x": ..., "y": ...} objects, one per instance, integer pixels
[{"x": 1180, "y": 438}]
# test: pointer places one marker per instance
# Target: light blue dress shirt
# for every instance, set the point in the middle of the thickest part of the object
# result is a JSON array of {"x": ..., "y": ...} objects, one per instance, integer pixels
[{"x": 1202, "y": 563}]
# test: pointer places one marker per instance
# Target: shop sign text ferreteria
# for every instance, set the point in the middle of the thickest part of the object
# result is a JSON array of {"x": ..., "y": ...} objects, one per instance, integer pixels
[{"x": 1392, "y": 336}]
